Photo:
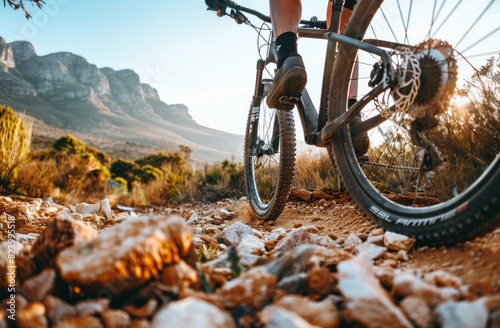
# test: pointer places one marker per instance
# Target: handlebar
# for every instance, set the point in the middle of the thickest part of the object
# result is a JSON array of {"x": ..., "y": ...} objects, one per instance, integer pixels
[{"x": 220, "y": 7}]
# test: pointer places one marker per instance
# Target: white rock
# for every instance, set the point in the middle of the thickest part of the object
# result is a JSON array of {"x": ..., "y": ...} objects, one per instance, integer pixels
[
  {"x": 277, "y": 317},
  {"x": 327, "y": 242},
  {"x": 321, "y": 314},
  {"x": 403, "y": 256},
  {"x": 397, "y": 242},
  {"x": 275, "y": 234},
  {"x": 352, "y": 241},
  {"x": 377, "y": 240},
  {"x": 463, "y": 314},
  {"x": 194, "y": 313},
  {"x": 115, "y": 319},
  {"x": 232, "y": 235},
  {"x": 442, "y": 278},
  {"x": 252, "y": 245},
  {"x": 296, "y": 237},
  {"x": 406, "y": 284},
  {"x": 418, "y": 311},
  {"x": 366, "y": 302},
  {"x": 100, "y": 207},
  {"x": 193, "y": 218},
  {"x": 373, "y": 251},
  {"x": 225, "y": 214}
]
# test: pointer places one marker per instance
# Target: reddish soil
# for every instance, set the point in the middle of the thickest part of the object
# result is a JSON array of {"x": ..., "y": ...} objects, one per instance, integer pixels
[{"x": 476, "y": 262}]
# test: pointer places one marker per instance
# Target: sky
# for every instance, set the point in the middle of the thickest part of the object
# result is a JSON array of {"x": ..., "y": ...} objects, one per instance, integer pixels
[{"x": 187, "y": 53}]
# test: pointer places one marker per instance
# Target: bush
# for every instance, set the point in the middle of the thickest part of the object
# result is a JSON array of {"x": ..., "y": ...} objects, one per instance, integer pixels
[
  {"x": 126, "y": 170},
  {"x": 227, "y": 175},
  {"x": 174, "y": 159},
  {"x": 36, "y": 178},
  {"x": 122, "y": 182},
  {"x": 221, "y": 180},
  {"x": 174, "y": 186},
  {"x": 101, "y": 156},
  {"x": 67, "y": 179},
  {"x": 148, "y": 173},
  {"x": 15, "y": 142},
  {"x": 69, "y": 145}
]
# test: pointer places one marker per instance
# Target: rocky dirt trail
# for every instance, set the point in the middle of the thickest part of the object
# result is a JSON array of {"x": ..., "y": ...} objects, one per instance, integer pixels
[{"x": 214, "y": 265}]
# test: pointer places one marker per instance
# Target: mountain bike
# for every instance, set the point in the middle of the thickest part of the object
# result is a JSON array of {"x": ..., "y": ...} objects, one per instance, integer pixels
[{"x": 421, "y": 75}]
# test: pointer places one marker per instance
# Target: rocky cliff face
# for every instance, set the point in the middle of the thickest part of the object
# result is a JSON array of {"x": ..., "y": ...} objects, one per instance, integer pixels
[
  {"x": 6, "y": 56},
  {"x": 64, "y": 76},
  {"x": 65, "y": 90}
]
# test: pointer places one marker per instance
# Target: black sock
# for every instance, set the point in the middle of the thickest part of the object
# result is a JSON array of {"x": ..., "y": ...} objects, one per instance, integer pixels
[{"x": 286, "y": 44}]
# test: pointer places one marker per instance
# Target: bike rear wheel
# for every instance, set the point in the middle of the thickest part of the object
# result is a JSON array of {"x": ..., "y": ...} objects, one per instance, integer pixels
[
  {"x": 269, "y": 157},
  {"x": 439, "y": 185}
]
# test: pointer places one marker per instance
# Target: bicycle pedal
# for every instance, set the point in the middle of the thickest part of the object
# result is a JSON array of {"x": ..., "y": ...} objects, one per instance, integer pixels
[{"x": 290, "y": 100}]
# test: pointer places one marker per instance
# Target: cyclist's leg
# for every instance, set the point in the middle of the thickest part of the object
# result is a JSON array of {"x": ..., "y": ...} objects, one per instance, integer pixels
[
  {"x": 346, "y": 13},
  {"x": 285, "y": 15},
  {"x": 291, "y": 77}
]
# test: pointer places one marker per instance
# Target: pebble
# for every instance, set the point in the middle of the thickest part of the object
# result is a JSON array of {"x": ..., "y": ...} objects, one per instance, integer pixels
[{"x": 194, "y": 313}]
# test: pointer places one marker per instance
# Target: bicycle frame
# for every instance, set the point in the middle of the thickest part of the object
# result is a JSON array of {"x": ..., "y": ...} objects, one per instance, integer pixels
[{"x": 317, "y": 127}]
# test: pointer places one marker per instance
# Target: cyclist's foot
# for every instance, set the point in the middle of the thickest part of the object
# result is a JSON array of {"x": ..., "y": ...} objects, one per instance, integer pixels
[
  {"x": 361, "y": 143},
  {"x": 289, "y": 82}
]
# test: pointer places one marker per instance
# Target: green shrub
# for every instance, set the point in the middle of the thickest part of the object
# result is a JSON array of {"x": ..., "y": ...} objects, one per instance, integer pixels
[
  {"x": 148, "y": 173},
  {"x": 174, "y": 159},
  {"x": 214, "y": 174},
  {"x": 69, "y": 145},
  {"x": 174, "y": 186},
  {"x": 126, "y": 170},
  {"x": 15, "y": 142},
  {"x": 101, "y": 156},
  {"x": 122, "y": 182}
]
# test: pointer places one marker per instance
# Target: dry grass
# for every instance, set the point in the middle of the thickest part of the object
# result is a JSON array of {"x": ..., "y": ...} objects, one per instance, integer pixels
[
  {"x": 15, "y": 143},
  {"x": 36, "y": 178},
  {"x": 67, "y": 179},
  {"x": 454, "y": 178},
  {"x": 314, "y": 171}
]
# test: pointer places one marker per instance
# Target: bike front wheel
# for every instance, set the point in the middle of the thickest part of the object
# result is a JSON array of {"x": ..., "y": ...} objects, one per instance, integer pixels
[
  {"x": 433, "y": 168},
  {"x": 269, "y": 157}
]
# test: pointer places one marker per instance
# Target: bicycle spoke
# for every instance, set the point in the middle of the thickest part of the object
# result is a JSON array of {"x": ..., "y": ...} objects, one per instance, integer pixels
[
  {"x": 447, "y": 17},
  {"x": 389, "y": 25},
  {"x": 481, "y": 40},
  {"x": 474, "y": 23}
]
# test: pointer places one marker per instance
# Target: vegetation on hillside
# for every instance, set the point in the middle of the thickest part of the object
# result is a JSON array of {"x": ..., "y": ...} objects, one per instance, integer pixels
[{"x": 70, "y": 171}]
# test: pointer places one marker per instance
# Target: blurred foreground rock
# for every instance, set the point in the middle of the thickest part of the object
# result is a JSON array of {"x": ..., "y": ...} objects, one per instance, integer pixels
[
  {"x": 89, "y": 266},
  {"x": 127, "y": 255}
]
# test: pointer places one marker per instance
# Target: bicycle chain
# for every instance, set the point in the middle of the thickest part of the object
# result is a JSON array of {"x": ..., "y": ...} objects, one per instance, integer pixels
[{"x": 404, "y": 168}]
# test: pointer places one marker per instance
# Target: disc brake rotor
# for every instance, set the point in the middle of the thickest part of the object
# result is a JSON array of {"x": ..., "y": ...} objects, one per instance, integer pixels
[{"x": 427, "y": 77}]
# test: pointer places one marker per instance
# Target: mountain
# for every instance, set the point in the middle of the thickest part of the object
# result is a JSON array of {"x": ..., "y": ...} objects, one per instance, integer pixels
[{"x": 65, "y": 93}]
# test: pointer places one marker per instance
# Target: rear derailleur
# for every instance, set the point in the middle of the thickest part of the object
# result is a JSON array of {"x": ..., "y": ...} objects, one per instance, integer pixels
[{"x": 429, "y": 156}]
